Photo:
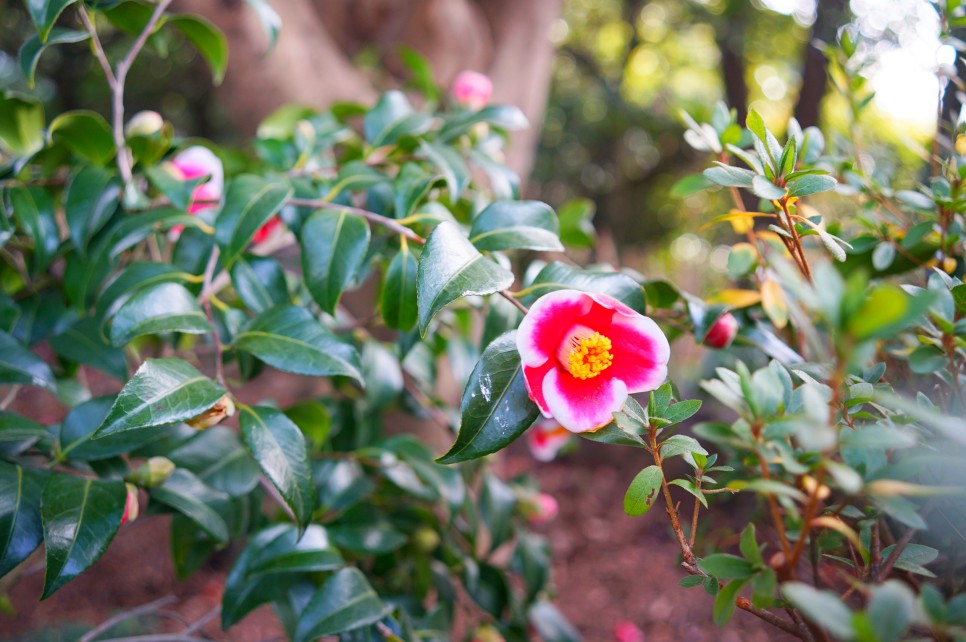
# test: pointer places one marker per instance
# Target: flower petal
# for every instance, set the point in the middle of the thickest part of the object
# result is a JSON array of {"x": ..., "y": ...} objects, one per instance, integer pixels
[
  {"x": 550, "y": 318},
  {"x": 583, "y": 405},
  {"x": 641, "y": 352},
  {"x": 534, "y": 377},
  {"x": 198, "y": 161}
]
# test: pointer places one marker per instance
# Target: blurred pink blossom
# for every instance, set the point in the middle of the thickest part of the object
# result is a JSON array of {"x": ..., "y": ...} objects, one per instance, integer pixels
[{"x": 472, "y": 89}]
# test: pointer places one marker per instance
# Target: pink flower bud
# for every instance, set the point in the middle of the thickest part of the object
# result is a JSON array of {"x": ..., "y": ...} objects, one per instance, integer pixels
[
  {"x": 722, "y": 332},
  {"x": 539, "y": 508},
  {"x": 472, "y": 89},
  {"x": 627, "y": 631},
  {"x": 130, "y": 505}
]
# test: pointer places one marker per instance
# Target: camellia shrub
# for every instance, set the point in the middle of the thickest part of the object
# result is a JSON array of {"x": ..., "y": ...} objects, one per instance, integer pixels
[{"x": 174, "y": 272}]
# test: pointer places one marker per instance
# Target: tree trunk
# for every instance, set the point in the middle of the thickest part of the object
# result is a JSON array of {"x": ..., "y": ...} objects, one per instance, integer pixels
[
  {"x": 312, "y": 60},
  {"x": 828, "y": 15}
]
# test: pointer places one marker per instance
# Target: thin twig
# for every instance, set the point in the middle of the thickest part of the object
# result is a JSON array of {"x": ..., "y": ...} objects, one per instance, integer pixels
[
  {"x": 203, "y": 620},
  {"x": 509, "y": 297},
  {"x": 98, "y": 48},
  {"x": 896, "y": 552},
  {"x": 138, "y": 611},
  {"x": 745, "y": 604},
  {"x": 372, "y": 217}
]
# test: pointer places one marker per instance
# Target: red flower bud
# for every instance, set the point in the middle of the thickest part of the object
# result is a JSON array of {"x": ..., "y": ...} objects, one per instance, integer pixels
[
  {"x": 627, "y": 631},
  {"x": 130, "y": 505},
  {"x": 722, "y": 332}
]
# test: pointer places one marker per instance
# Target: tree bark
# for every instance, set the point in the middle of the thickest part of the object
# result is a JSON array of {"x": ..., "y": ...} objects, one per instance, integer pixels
[
  {"x": 828, "y": 15},
  {"x": 312, "y": 60}
]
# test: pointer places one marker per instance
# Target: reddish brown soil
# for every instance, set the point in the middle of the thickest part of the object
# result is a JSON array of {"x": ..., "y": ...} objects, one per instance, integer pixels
[{"x": 608, "y": 567}]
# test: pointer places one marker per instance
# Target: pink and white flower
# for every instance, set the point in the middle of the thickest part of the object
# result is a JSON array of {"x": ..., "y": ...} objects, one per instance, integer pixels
[
  {"x": 627, "y": 631},
  {"x": 723, "y": 331},
  {"x": 539, "y": 508},
  {"x": 130, "y": 505},
  {"x": 584, "y": 353},
  {"x": 472, "y": 89},
  {"x": 198, "y": 162},
  {"x": 546, "y": 439}
]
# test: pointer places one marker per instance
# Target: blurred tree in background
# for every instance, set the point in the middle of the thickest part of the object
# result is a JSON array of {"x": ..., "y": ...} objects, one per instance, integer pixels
[{"x": 609, "y": 132}]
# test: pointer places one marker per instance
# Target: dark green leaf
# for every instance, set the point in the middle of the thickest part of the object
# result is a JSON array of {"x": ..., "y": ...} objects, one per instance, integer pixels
[
  {"x": 208, "y": 39},
  {"x": 291, "y": 339},
  {"x": 346, "y": 601},
  {"x": 20, "y": 525},
  {"x": 85, "y": 133},
  {"x": 370, "y": 538},
  {"x": 90, "y": 202},
  {"x": 678, "y": 445},
  {"x": 749, "y": 545},
  {"x": 891, "y": 610},
  {"x": 162, "y": 391},
  {"x": 451, "y": 268},
  {"x": 33, "y": 209},
  {"x": 334, "y": 245},
  {"x": 681, "y": 411},
  {"x": 80, "y": 517},
  {"x": 495, "y": 407},
  {"x": 560, "y": 276},
  {"x": 411, "y": 187},
  {"x": 162, "y": 308},
  {"x": 912, "y": 558},
  {"x": 576, "y": 228},
  {"x": 135, "y": 276},
  {"x": 20, "y": 365},
  {"x": 279, "y": 448},
  {"x": 18, "y": 433},
  {"x": 243, "y": 593},
  {"x": 250, "y": 202},
  {"x": 398, "y": 299},
  {"x": 292, "y": 552},
  {"x": 216, "y": 456},
  {"x": 175, "y": 189},
  {"x": 186, "y": 494},
  {"x": 44, "y": 13},
  {"x": 450, "y": 164},
  {"x": 32, "y": 49},
  {"x": 507, "y": 225},
  {"x": 260, "y": 282},
  {"x": 79, "y": 425}
]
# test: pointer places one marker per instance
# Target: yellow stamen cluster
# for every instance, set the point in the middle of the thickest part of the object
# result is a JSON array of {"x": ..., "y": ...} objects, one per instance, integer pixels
[{"x": 585, "y": 353}]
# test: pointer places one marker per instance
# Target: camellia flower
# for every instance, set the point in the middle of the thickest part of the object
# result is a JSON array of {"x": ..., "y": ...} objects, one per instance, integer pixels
[
  {"x": 472, "y": 89},
  {"x": 538, "y": 508},
  {"x": 546, "y": 439},
  {"x": 198, "y": 161},
  {"x": 583, "y": 353},
  {"x": 723, "y": 331}
]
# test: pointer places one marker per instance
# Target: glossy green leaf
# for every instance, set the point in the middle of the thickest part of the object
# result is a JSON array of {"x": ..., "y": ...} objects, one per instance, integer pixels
[
  {"x": 186, "y": 494},
  {"x": 34, "y": 47},
  {"x": 80, "y": 517},
  {"x": 551, "y": 624},
  {"x": 260, "y": 282},
  {"x": 495, "y": 407},
  {"x": 82, "y": 342},
  {"x": 392, "y": 118},
  {"x": 450, "y": 164},
  {"x": 764, "y": 188},
  {"x": 243, "y": 590},
  {"x": 291, "y": 339},
  {"x": 21, "y": 123},
  {"x": 162, "y": 391},
  {"x": 79, "y": 425},
  {"x": 208, "y": 39},
  {"x": 576, "y": 226},
  {"x": 507, "y": 117},
  {"x": 346, "y": 601},
  {"x": 175, "y": 189},
  {"x": 19, "y": 365},
  {"x": 295, "y": 552},
  {"x": 44, "y": 13},
  {"x": 643, "y": 491},
  {"x": 250, "y": 202},
  {"x": 504, "y": 182},
  {"x": 411, "y": 188},
  {"x": 891, "y": 610},
  {"x": 90, "y": 201},
  {"x": 166, "y": 307},
  {"x": 33, "y": 209},
  {"x": 85, "y": 133},
  {"x": 18, "y": 433},
  {"x": 749, "y": 545},
  {"x": 451, "y": 268},
  {"x": 21, "y": 530},
  {"x": 398, "y": 297},
  {"x": 216, "y": 457},
  {"x": 368, "y": 538},
  {"x": 133, "y": 278},
  {"x": 560, "y": 276},
  {"x": 507, "y": 225},
  {"x": 334, "y": 245},
  {"x": 278, "y": 446}
]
